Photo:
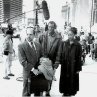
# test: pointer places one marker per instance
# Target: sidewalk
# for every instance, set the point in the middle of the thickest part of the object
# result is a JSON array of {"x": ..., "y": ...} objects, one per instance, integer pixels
[{"x": 88, "y": 81}]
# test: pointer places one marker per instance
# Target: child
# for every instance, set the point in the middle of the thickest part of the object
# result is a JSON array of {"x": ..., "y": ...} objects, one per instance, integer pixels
[{"x": 46, "y": 68}]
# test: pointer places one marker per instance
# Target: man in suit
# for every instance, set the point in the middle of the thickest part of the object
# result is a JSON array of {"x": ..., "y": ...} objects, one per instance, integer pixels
[
  {"x": 7, "y": 55},
  {"x": 29, "y": 53}
]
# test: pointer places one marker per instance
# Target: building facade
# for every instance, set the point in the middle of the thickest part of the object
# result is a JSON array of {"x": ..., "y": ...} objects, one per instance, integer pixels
[
  {"x": 94, "y": 16},
  {"x": 82, "y": 14},
  {"x": 66, "y": 13},
  {"x": 10, "y": 10},
  {"x": 16, "y": 10}
]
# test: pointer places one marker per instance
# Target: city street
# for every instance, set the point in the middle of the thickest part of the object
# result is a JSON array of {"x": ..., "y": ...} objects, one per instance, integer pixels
[
  {"x": 78, "y": 17},
  {"x": 13, "y": 88}
]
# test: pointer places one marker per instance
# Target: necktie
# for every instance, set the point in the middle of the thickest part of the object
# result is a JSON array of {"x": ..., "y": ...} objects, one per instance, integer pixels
[{"x": 33, "y": 45}]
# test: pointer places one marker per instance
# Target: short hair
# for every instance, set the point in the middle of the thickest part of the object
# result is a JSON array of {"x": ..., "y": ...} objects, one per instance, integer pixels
[
  {"x": 52, "y": 22},
  {"x": 30, "y": 28},
  {"x": 9, "y": 25},
  {"x": 73, "y": 29}
]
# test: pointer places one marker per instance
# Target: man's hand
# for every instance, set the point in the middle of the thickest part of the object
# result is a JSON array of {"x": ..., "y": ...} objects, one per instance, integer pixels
[
  {"x": 35, "y": 71},
  {"x": 56, "y": 65}
]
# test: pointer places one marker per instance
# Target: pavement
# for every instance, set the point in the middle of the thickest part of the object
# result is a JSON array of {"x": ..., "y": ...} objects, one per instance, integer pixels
[{"x": 87, "y": 80}]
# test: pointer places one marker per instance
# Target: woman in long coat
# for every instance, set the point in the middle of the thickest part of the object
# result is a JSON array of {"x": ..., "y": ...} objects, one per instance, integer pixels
[{"x": 70, "y": 58}]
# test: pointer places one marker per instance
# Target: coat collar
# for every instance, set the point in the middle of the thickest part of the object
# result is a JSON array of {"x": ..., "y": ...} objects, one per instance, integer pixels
[
  {"x": 74, "y": 42},
  {"x": 55, "y": 35}
]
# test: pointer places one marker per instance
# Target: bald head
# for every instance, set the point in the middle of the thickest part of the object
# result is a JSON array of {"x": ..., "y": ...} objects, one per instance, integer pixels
[
  {"x": 30, "y": 34},
  {"x": 30, "y": 30}
]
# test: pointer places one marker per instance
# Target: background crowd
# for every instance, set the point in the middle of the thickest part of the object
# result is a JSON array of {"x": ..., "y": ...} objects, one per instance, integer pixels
[{"x": 41, "y": 52}]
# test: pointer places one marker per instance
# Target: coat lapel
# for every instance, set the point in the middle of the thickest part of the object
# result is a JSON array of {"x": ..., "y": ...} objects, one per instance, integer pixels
[{"x": 52, "y": 45}]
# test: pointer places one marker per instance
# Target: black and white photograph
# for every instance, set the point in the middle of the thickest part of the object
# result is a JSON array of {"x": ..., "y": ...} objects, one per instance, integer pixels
[{"x": 48, "y": 48}]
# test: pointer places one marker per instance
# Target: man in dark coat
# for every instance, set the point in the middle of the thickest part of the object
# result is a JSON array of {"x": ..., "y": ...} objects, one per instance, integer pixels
[
  {"x": 50, "y": 41},
  {"x": 29, "y": 53},
  {"x": 69, "y": 56}
]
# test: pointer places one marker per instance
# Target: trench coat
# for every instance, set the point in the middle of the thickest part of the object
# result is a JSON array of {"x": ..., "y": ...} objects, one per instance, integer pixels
[{"x": 70, "y": 59}]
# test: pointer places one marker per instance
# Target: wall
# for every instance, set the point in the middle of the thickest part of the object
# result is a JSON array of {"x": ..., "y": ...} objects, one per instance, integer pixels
[{"x": 82, "y": 15}]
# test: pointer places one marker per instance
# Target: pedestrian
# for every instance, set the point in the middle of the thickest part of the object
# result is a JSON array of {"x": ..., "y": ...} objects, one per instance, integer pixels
[
  {"x": 50, "y": 41},
  {"x": 95, "y": 48},
  {"x": 69, "y": 56},
  {"x": 37, "y": 32},
  {"x": 90, "y": 39},
  {"x": 7, "y": 55},
  {"x": 29, "y": 53}
]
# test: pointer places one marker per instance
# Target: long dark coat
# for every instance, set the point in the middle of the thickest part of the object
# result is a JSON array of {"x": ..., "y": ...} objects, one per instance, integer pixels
[{"x": 70, "y": 58}]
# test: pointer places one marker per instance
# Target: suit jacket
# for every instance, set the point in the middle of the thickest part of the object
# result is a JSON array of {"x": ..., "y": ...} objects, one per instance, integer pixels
[{"x": 28, "y": 56}]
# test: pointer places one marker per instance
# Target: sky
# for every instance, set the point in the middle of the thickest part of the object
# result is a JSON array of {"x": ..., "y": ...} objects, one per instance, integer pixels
[{"x": 54, "y": 7}]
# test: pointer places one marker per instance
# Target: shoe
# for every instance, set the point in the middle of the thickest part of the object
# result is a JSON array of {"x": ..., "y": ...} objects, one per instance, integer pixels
[
  {"x": 6, "y": 77},
  {"x": 65, "y": 94},
  {"x": 27, "y": 95},
  {"x": 36, "y": 94},
  {"x": 10, "y": 74},
  {"x": 48, "y": 94}
]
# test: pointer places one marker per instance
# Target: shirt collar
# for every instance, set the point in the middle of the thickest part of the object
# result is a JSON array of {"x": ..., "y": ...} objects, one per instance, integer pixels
[
  {"x": 29, "y": 42},
  {"x": 74, "y": 42},
  {"x": 53, "y": 35}
]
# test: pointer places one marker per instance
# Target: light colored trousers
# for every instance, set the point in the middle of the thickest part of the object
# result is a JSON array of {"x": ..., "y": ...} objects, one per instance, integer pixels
[{"x": 7, "y": 63}]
